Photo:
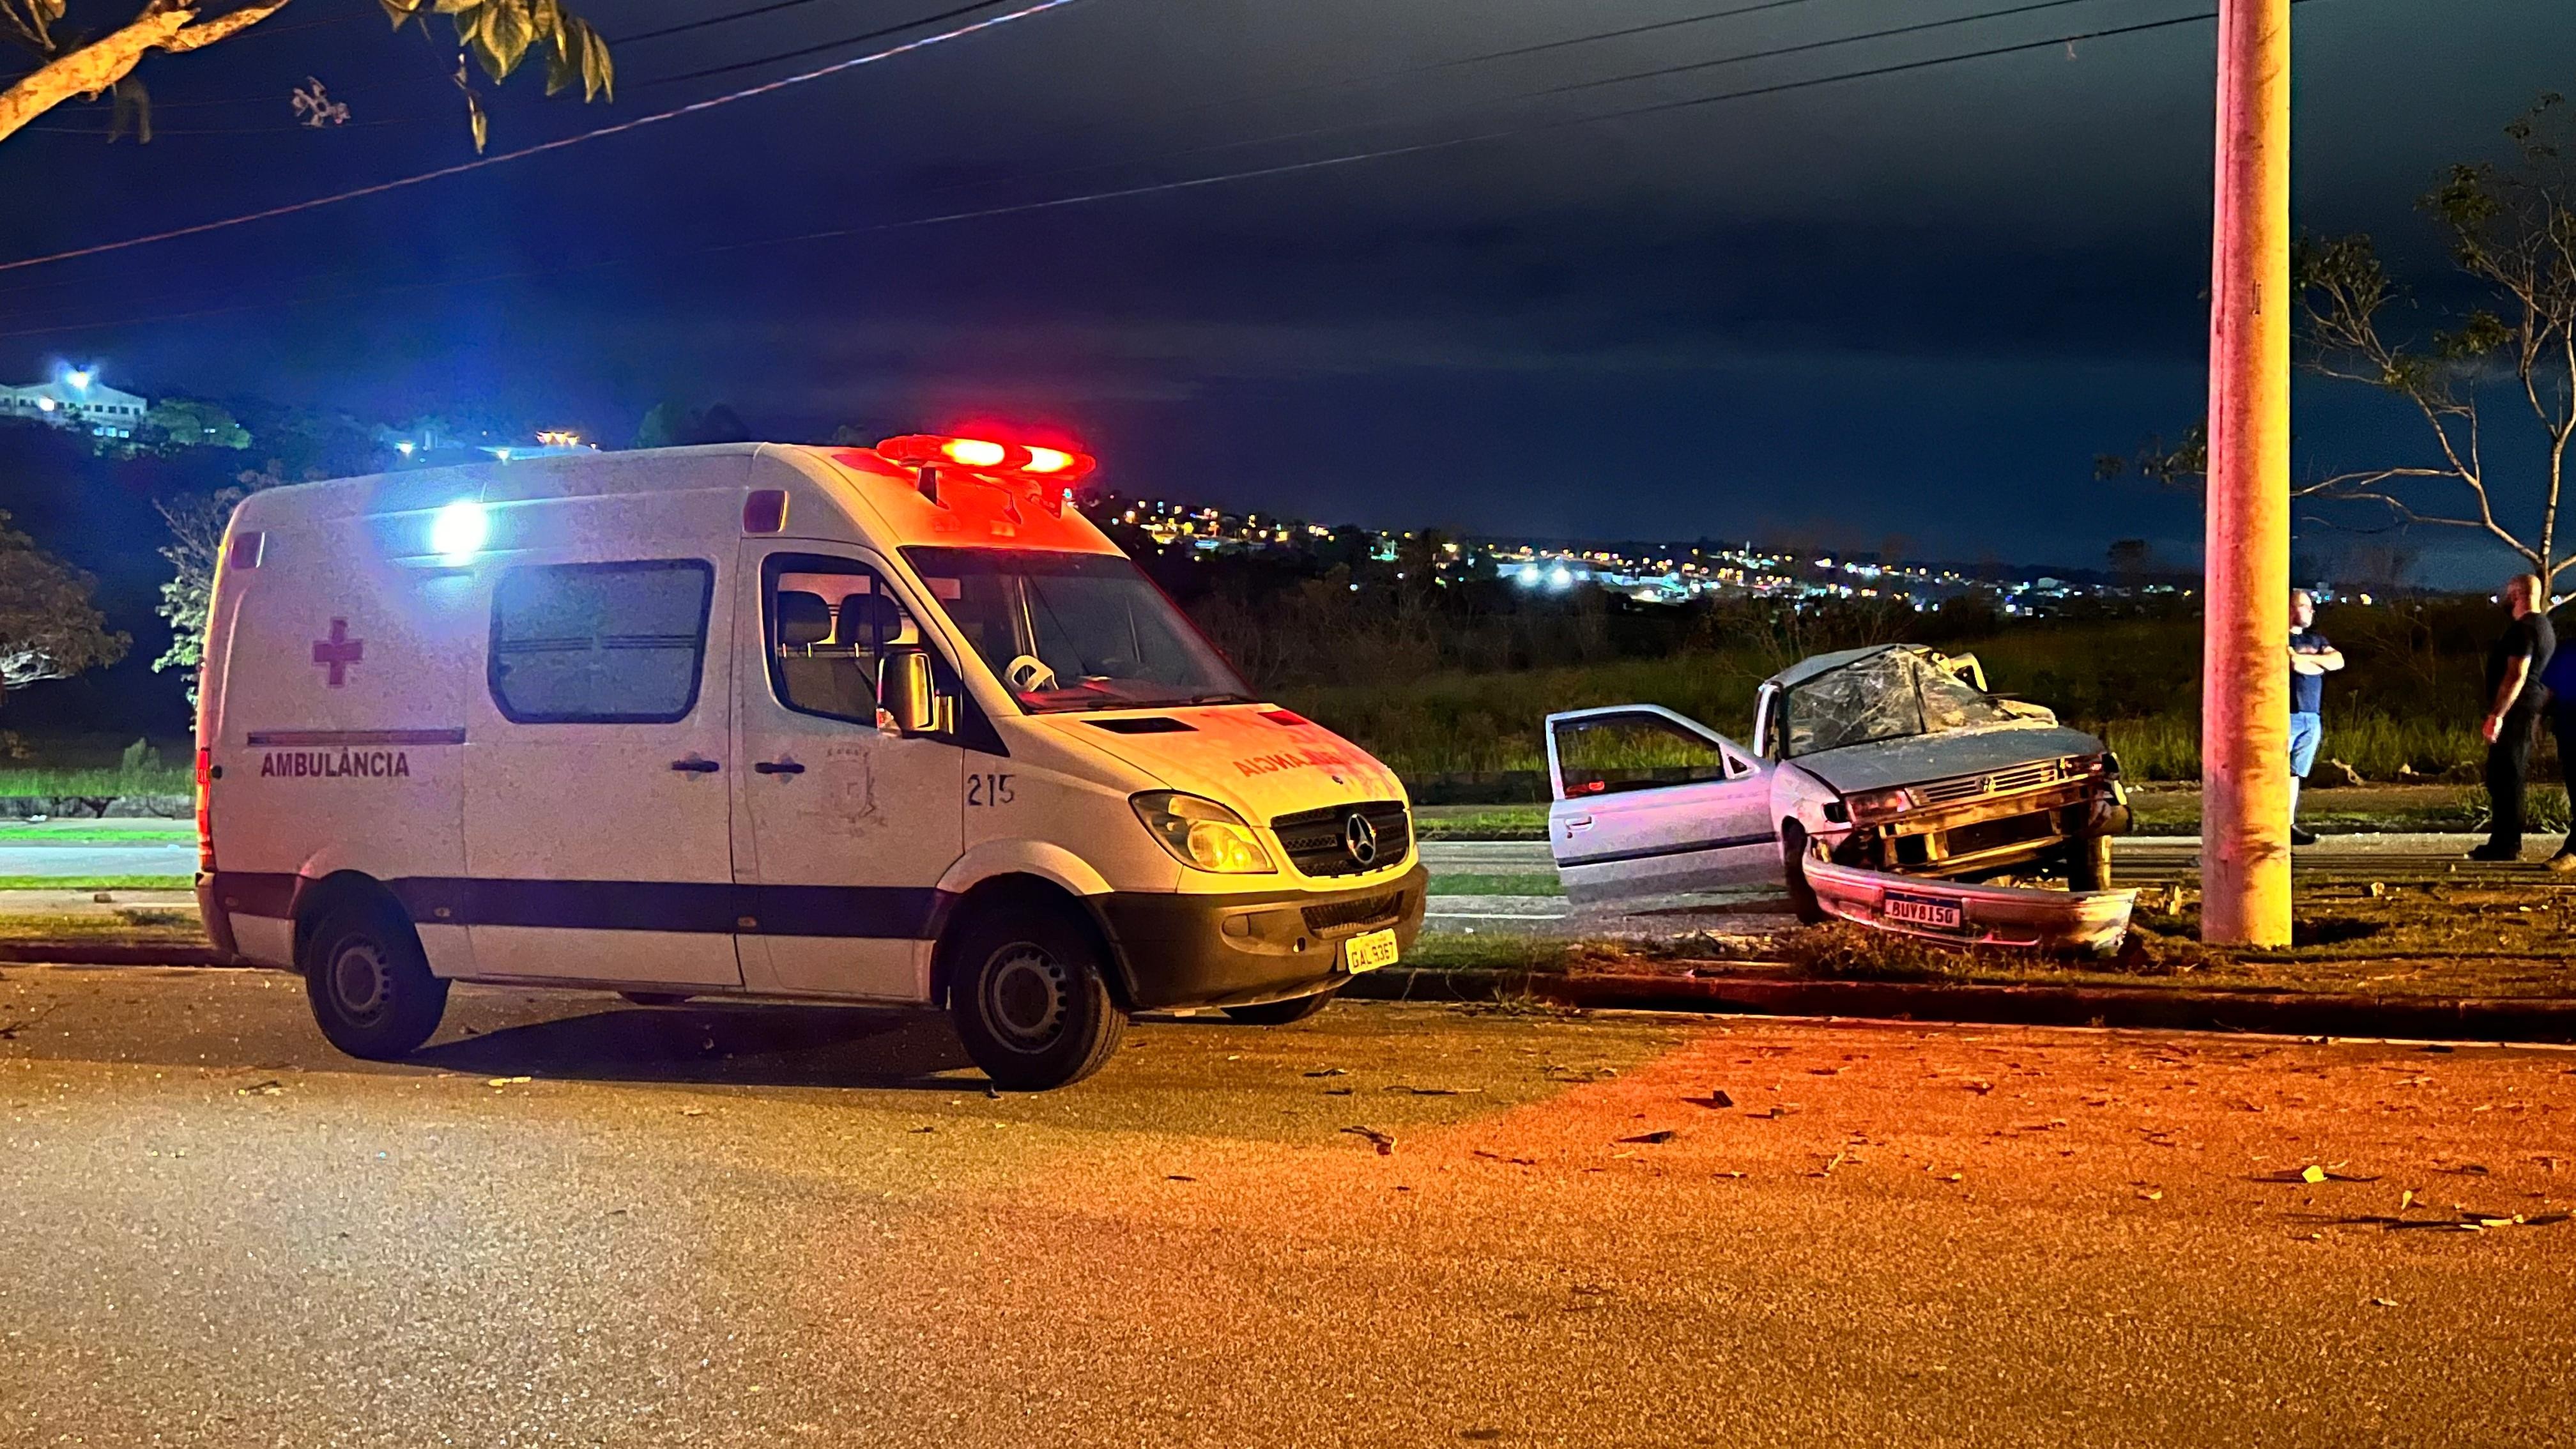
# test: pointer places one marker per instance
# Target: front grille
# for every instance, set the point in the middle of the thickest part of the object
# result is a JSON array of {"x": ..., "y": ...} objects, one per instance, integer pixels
[
  {"x": 2001, "y": 782},
  {"x": 1315, "y": 839},
  {"x": 1367, "y": 911},
  {"x": 1996, "y": 834}
]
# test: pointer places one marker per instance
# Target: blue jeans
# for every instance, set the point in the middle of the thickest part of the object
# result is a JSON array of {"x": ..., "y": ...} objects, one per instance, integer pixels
[{"x": 2307, "y": 731}]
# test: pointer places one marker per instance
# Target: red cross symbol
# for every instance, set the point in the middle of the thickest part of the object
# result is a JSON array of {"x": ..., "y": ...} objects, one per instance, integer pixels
[{"x": 338, "y": 652}]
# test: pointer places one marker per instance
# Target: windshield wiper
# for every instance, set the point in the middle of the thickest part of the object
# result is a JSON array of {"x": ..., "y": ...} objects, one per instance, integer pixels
[{"x": 1224, "y": 697}]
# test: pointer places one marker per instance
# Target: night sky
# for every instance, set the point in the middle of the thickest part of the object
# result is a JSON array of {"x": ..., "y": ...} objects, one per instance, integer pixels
[{"x": 1909, "y": 307}]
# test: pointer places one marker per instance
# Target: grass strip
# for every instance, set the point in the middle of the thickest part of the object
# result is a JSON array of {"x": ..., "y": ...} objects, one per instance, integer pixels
[{"x": 97, "y": 883}]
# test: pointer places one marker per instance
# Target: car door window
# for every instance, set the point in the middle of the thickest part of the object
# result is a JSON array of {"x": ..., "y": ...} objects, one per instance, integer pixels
[
  {"x": 827, "y": 625},
  {"x": 1605, "y": 756}
]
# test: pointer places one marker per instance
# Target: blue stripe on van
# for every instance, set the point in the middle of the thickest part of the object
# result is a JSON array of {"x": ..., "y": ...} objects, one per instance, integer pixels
[{"x": 910, "y": 913}]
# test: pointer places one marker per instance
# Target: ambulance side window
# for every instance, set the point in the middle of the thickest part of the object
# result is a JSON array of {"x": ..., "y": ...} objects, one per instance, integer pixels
[
  {"x": 610, "y": 643},
  {"x": 827, "y": 625}
]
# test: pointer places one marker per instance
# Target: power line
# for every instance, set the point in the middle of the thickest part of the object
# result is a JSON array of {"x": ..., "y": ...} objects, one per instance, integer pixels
[
  {"x": 686, "y": 26},
  {"x": 698, "y": 24},
  {"x": 802, "y": 51},
  {"x": 1471, "y": 108},
  {"x": 1189, "y": 184},
  {"x": 479, "y": 163}
]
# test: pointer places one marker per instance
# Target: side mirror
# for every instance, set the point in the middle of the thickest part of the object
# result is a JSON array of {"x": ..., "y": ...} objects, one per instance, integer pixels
[{"x": 907, "y": 691}]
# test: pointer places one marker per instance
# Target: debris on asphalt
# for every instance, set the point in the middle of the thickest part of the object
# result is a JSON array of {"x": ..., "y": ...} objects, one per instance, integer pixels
[
  {"x": 270, "y": 1088},
  {"x": 2153, "y": 1194},
  {"x": 1716, "y": 1099},
  {"x": 1514, "y": 1161},
  {"x": 1431, "y": 1091},
  {"x": 1979, "y": 1087},
  {"x": 9, "y": 1030},
  {"x": 1331, "y": 1072},
  {"x": 1659, "y": 1135},
  {"x": 2310, "y": 1174},
  {"x": 497, "y": 1083},
  {"x": 2383, "y": 1302},
  {"x": 1178, "y": 1177},
  {"x": 1382, "y": 1141}
]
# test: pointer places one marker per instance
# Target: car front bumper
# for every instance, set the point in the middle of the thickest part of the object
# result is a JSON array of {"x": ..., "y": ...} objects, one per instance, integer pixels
[
  {"x": 1179, "y": 950},
  {"x": 1986, "y": 915}
]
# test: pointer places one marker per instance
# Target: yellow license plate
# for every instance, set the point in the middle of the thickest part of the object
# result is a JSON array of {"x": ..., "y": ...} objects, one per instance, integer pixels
[{"x": 1369, "y": 950}]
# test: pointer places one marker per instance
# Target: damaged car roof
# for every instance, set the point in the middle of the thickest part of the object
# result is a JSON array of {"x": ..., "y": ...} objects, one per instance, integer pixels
[{"x": 1809, "y": 668}]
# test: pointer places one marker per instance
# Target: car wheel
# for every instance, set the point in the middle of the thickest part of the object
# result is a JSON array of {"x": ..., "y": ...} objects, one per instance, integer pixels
[
  {"x": 2088, "y": 863},
  {"x": 1030, "y": 997},
  {"x": 1793, "y": 865},
  {"x": 370, "y": 985},
  {"x": 1281, "y": 1013}
]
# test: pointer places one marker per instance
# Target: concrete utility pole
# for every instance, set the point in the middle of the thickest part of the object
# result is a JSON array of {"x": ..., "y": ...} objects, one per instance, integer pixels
[{"x": 2245, "y": 675}]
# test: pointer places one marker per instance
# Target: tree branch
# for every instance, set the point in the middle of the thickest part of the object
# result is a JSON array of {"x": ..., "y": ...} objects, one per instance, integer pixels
[{"x": 89, "y": 71}]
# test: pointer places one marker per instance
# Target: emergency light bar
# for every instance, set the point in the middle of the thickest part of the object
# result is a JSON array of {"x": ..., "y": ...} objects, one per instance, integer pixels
[{"x": 977, "y": 455}]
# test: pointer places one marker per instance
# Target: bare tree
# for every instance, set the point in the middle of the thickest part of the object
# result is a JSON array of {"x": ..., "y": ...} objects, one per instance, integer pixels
[
  {"x": 49, "y": 628},
  {"x": 2512, "y": 232},
  {"x": 73, "y": 61}
]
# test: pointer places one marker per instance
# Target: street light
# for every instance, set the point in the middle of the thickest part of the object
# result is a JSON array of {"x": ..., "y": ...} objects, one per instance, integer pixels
[{"x": 79, "y": 378}]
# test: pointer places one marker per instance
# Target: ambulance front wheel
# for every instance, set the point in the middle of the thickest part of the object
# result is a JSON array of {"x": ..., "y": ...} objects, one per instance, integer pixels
[
  {"x": 371, "y": 987},
  {"x": 1030, "y": 996}
]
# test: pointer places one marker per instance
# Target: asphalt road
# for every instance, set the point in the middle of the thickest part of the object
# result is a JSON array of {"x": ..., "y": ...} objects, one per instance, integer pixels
[{"x": 572, "y": 1221}]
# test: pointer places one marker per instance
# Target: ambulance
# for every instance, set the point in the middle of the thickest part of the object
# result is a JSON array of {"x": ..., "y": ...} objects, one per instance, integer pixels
[{"x": 885, "y": 726}]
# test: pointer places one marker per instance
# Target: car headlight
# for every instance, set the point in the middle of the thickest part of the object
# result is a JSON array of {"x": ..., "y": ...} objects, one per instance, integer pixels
[
  {"x": 1879, "y": 804},
  {"x": 1202, "y": 834}
]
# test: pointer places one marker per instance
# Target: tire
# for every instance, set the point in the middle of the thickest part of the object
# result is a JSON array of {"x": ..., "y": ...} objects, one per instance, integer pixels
[
  {"x": 1281, "y": 1013},
  {"x": 1793, "y": 865},
  {"x": 2088, "y": 863},
  {"x": 370, "y": 985},
  {"x": 1029, "y": 992},
  {"x": 656, "y": 998}
]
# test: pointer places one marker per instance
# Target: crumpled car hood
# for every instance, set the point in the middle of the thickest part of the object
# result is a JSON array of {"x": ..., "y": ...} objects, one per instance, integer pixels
[{"x": 1943, "y": 756}]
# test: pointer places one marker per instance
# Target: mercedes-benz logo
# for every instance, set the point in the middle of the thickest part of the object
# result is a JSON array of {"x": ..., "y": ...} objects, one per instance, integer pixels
[{"x": 1360, "y": 838}]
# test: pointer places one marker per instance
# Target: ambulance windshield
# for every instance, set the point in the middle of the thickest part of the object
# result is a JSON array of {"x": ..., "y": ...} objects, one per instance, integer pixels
[{"x": 1076, "y": 631}]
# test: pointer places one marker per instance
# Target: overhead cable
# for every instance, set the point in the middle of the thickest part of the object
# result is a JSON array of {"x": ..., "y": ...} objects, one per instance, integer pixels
[{"x": 483, "y": 162}]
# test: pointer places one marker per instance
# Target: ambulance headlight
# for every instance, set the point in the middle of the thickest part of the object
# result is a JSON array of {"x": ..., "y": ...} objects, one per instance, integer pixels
[
  {"x": 458, "y": 532},
  {"x": 1202, "y": 834}
]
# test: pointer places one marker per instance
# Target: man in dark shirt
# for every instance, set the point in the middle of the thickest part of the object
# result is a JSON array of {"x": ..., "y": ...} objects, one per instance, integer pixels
[
  {"x": 2312, "y": 658},
  {"x": 2514, "y": 667}
]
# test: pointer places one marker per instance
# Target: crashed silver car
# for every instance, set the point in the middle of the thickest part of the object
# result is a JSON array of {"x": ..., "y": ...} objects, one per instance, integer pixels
[{"x": 1888, "y": 761}]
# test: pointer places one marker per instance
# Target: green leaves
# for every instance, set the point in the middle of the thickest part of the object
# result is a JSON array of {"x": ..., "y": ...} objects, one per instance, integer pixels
[{"x": 498, "y": 34}]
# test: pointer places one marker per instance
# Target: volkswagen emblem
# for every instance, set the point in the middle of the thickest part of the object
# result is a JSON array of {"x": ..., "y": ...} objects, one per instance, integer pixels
[{"x": 1360, "y": 839}]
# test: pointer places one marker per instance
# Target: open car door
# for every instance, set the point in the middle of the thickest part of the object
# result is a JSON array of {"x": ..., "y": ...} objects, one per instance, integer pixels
[{"x": 1648, "y": 802}]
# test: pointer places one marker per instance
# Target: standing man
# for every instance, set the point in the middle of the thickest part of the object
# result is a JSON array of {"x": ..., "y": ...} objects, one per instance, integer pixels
[
  {"x": 2514, "y": 667},
  {"x": 2558, "y": 683},
  {"x": 2312, "y": 658}
]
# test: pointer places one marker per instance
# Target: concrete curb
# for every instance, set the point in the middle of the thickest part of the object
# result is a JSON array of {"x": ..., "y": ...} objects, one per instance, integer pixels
[
  {"x": 109, "y": 953},
  {"x": 2276, "y": 1013}
]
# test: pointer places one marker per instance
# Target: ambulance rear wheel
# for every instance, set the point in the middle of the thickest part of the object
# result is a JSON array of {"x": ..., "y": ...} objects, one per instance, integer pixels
[
  {"x": 371, "y": 988},
  {"x": 1030, "y": 996},
  {"x": 1281, "y": 1013}
]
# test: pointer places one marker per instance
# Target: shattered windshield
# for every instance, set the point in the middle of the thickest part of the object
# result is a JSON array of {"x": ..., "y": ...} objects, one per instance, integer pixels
[
  {"x": 1076, "y": 631},
  {"x": 1895, "y": 695}
]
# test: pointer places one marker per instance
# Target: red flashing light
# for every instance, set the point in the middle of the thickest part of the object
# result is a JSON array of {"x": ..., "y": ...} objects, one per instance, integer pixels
[
  {"x": 984, "y": 456},
  {"x": 205, "y": 810}
]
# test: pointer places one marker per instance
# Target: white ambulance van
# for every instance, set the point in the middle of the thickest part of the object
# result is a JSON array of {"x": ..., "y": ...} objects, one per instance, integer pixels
[{"x": 888, "y": 725}]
